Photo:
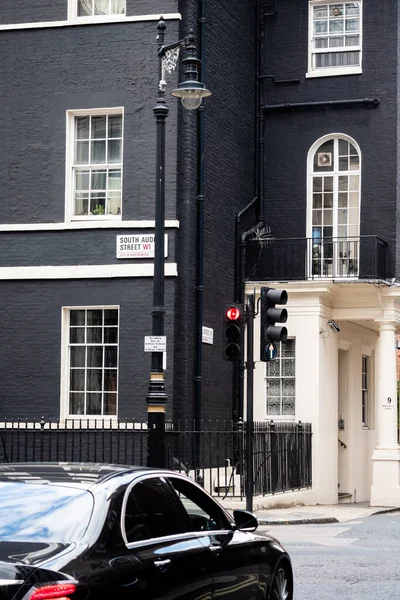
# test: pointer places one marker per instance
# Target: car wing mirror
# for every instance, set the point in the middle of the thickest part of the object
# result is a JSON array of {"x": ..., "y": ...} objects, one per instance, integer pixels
[{"x": 245, "y": 520}]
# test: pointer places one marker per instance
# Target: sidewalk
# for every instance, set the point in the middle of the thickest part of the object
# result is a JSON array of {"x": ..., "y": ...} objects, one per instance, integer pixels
[{"x": 301, "y": 515}]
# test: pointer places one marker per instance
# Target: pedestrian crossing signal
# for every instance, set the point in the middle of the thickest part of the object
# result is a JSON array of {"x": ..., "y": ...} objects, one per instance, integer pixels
[{"x": 270, "y": 315}]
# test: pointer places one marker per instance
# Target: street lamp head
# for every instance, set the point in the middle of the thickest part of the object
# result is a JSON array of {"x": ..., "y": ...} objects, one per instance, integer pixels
[
  {"x": 191, "y": 91},
  {"x": 191, "y": 94}
]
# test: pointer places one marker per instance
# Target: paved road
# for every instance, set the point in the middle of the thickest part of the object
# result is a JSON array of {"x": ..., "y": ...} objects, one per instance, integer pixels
[{"x": 358, "y": 560}]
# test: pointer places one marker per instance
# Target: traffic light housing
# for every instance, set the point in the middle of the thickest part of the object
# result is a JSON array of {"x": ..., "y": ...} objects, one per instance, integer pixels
[
  {"x": 271, "y": 315},
  {"x": 233, "y": 331}
]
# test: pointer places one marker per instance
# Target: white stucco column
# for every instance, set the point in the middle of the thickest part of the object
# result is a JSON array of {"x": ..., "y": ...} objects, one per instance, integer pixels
[{"x": 385, "y": 490}]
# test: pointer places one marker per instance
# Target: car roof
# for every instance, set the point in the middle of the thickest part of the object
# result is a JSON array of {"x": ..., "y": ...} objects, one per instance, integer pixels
[{"x": 84, "y": 474}]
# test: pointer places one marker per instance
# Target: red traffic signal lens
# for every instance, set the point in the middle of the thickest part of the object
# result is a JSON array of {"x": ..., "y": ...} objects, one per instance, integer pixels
[{"x": 233, "y": 313}]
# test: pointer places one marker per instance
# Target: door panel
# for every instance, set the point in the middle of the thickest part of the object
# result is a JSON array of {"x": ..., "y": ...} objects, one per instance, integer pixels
[
  {"x": 175, "y": 564},
  {"x": 235, "y": 564},
  {"x": 176, "y": 569},
  {"x": 344, "y": 486},
  {"x": 234, "y": 555}
]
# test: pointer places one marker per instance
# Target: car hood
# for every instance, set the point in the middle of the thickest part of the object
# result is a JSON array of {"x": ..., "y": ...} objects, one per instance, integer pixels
[{"x": 29, "y": 553}]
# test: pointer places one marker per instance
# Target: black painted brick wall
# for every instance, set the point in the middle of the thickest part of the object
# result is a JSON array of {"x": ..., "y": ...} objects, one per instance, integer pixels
[
  {"x": 229, "y": 153},
  {"x": 229, "y": 164},
  {"x": 23, "y": 11},
  {"x": 288, "y": 136},
  {"x": 76, "y": 247},
  {"x": 30, "y": 11},
  {"x": 30, "y": 354},
  {"x": 54, "y": 70}
]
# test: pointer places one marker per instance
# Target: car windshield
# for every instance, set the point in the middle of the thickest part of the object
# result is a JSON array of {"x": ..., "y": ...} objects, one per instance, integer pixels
[{"x": 43, "y": 513}]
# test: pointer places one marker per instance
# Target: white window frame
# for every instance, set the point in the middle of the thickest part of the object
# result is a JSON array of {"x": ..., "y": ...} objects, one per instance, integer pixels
[
  {"x": 69, "y": 162},
  {"x": 65, "y": 366},
  {"x": 73, "y": 15},
  {"x": 268, "y": 416},
  {"x": 310, "y": 174},
  {"x": 333, "y": 71}
]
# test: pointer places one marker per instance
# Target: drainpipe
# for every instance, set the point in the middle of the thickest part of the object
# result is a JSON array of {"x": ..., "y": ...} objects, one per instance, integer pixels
[
  {"x": 260, "y": 111},
  {"x": 258, "y": 202},
  {"x": 367, "y": 102},
  {"x": 200, "y": 243}
]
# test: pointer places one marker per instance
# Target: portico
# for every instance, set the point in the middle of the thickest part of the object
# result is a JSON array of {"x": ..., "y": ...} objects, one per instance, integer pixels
[{"x": 345, "y": 385}]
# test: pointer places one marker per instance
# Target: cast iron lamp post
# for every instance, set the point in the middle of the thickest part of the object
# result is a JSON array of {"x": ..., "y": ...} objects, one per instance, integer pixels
[{"x": 191, "y": 92}]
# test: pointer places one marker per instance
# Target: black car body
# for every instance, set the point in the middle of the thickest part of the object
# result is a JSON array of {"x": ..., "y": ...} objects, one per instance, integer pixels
[{"x": 75, "y": 531}]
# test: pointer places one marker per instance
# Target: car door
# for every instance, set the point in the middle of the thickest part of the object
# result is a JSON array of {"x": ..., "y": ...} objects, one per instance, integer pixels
[
  {"x": 235, "y": 555},
  {"x": 174, "y": 564}
]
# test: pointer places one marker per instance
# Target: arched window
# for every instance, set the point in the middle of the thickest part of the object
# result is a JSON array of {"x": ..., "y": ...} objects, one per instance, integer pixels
[{"x": 333, "y": 208}]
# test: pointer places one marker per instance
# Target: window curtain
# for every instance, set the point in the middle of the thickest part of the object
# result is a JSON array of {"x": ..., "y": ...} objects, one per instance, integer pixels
[
  {"x": 337, "y": 59},
  {"x": 117, "y": 7},
  {"x": 85, "y": 7},
  {"x": 101, "y": 7}
]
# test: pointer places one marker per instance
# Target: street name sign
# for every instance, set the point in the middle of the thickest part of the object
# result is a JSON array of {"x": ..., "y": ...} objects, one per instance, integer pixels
[{"x": 138, "y": 246}]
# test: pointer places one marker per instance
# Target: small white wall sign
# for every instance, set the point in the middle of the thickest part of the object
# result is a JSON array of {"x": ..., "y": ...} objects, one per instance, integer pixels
[
  {"x": 138, "y": 245},
  {"x": 388, "y": 405},
  {"x": 207, "y": 335},
  {"x": 155, "y": 343}
]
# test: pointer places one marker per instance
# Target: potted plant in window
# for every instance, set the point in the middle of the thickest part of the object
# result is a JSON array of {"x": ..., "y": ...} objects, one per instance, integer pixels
[{"x": 99, "y": 209}]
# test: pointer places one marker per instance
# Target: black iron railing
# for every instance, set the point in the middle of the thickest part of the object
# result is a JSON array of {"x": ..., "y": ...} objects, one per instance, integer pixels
[
  {"x": 300, "y": 259},
  {"x": 282, "y": 457},
  {"x": 101, "y": 440},
  {"x": 214, "y": 456}
]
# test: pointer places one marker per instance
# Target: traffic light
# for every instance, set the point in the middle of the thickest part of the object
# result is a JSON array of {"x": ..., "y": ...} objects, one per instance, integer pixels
[
  {"x": 270, "y": 315},
  {"x": 233, "y": 323}
]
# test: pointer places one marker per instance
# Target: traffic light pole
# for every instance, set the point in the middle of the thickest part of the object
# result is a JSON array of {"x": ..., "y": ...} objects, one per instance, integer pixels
[{"x": 249, "y": 402}]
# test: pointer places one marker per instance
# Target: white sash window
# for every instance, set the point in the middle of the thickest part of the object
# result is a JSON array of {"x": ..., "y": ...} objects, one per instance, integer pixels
[{"x": 335, "y": 38}]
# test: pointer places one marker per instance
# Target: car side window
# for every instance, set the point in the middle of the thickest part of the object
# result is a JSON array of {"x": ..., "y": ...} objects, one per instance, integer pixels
[
  {"x": 151, "y": 511},
  {"x": 203, "y": 513},
  {"x": 135, "y": 528}
]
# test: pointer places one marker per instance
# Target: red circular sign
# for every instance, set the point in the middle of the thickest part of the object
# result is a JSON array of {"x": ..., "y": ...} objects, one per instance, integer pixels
[{"x": 232, "y": 313}]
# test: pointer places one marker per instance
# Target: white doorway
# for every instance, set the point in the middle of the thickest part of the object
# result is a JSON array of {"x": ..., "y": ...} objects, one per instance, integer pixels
[{"x": 344, "y": 483}]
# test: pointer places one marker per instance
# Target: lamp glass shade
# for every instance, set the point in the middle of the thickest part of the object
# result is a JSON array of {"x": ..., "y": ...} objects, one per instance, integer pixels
[
  {"x": 191, "y": 102},
  {"x": 191, "y": 94}
]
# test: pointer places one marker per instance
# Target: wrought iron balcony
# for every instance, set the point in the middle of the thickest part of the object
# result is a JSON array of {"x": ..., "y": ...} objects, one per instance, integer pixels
[{"x": 301, "y": 259}]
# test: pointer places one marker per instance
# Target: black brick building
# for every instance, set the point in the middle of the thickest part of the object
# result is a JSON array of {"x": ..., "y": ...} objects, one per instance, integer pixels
[
  {"x": 79, "y": 82},
  {"x": 287, "y": 177},
  {"x": 328, "y": 158}
]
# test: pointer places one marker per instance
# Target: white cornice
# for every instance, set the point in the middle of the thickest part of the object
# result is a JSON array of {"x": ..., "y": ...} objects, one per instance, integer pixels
[
  {"x": 84, "y": 271},
  {"x": 89, "y": 21},
  {"x": 73, "y": 225}
]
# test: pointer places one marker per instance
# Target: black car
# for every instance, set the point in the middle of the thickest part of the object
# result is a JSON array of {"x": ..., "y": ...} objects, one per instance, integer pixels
[{"x": 73, "y": 531}]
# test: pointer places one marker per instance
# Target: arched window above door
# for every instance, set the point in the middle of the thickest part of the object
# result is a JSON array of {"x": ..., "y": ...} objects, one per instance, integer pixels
[{"x": 333, "y": 207}]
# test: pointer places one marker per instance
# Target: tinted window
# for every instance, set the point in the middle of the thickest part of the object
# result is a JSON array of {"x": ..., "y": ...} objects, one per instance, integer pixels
[
  {"x": 156, "y": 509},
  {"x": 135, "y": 527},
  {"x": 43, "y": 513},
  {"x": 204, "y": 514}
]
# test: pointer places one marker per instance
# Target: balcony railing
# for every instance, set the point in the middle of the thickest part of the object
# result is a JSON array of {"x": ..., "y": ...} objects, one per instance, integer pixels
[{"x": 300, "y": 259}]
